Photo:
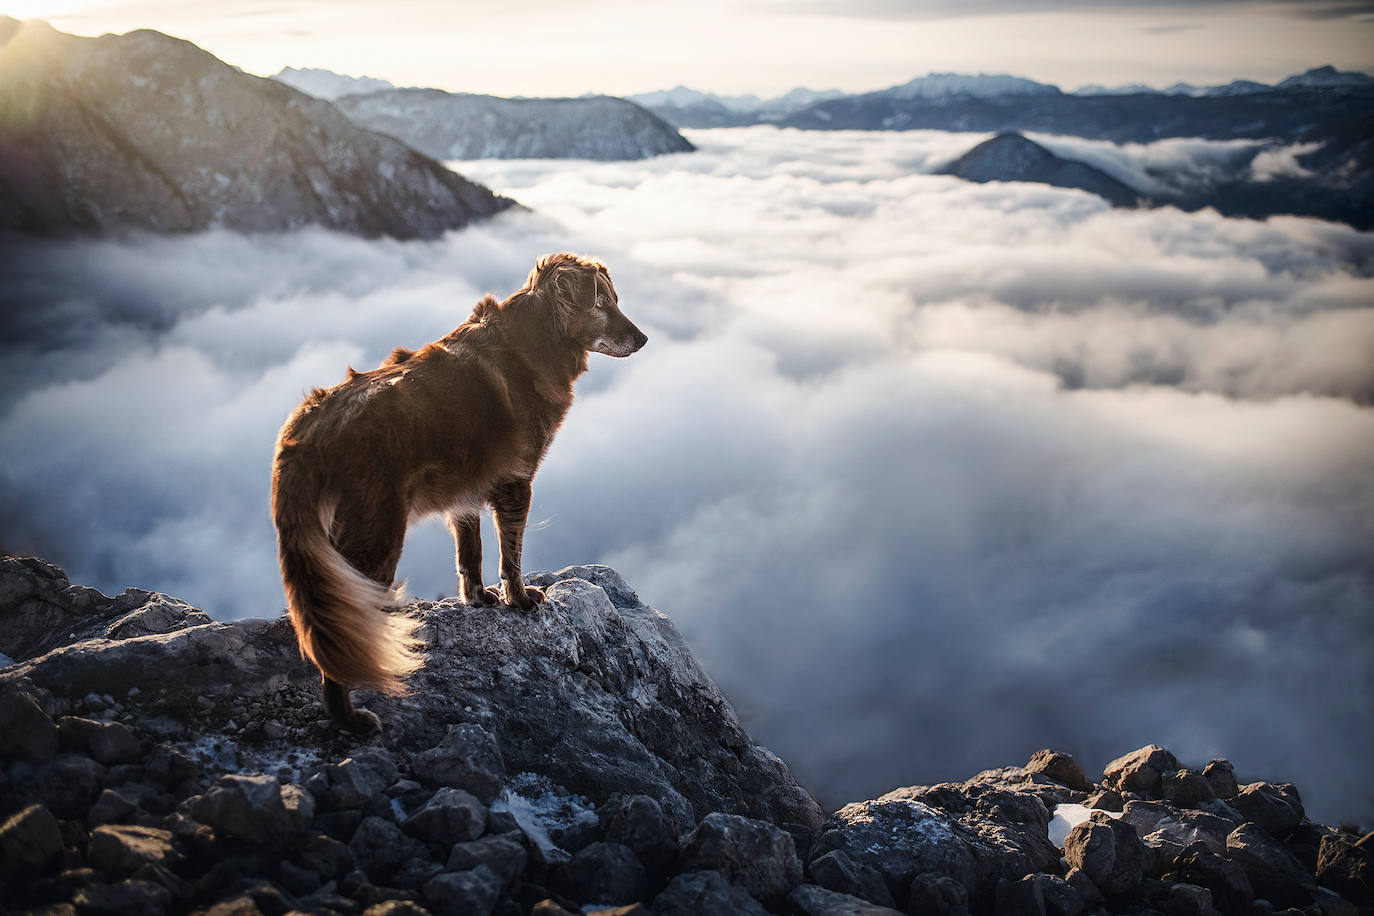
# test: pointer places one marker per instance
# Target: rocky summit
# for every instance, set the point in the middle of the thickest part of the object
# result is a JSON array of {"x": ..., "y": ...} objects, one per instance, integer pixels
[{"x": 577, "y": 759}]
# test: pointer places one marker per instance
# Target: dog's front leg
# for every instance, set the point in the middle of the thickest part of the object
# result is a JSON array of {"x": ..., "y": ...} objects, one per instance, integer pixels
[
  {"x": 467, "y": 541},
  {"x": 510, "y": 503}
]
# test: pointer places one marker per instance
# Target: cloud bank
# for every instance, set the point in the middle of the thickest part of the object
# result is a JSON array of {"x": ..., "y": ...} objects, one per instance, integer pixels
[{"x": 931, "y": 474}]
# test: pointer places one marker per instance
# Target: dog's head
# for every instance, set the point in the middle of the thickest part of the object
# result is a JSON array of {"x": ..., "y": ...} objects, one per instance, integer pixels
[{"x": 584, "y": 303}]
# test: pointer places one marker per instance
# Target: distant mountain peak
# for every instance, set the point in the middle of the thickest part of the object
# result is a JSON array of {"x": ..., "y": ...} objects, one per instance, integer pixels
[
  {"x": 328, "y": 85},
  {"x": 981, "y": 85},
  {"x": 1009, "y": 156}
]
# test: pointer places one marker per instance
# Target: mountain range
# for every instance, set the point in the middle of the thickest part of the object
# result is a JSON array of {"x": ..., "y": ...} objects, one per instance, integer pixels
[
  {"x": 449, "y": 125},
  {"x": 148, "y": 132}
]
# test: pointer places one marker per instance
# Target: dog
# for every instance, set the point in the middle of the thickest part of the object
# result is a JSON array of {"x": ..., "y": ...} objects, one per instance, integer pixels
[{"x": 458, "y": 425}]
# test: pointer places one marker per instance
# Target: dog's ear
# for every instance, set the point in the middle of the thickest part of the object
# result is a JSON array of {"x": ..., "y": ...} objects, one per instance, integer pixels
[
  {"x": 567, "y": 282},
  {"x": 484, "y": 309}
]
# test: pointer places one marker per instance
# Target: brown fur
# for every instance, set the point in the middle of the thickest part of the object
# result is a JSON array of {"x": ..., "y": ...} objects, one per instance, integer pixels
[{"x": 458, "y": 424}]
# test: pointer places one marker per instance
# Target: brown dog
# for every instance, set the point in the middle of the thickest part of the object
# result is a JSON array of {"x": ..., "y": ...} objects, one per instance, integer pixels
[{"x": 461, "y": 423}]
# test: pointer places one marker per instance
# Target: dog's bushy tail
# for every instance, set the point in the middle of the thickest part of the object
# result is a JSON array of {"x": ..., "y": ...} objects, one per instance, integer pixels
[{"x": 341, "y": 617}]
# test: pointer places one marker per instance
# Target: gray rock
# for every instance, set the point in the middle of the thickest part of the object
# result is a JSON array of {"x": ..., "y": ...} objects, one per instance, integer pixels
[
  {"x": 113, "y": 743},
  {"x": 937, "y": 895},
  {"x": 468, "y": 758},
  {"x": 639, "y": 823},
  {"x": 705, "y": 893},
  {"x": 25, "y": 729},
  {"x": 976, "y": 833},
  {"x": 145, "y": 131},
  {"x": 504, "y": 855},
  {"x": 361, "y": 777},
  {"x": 1347, "y": 868},
  {"x": 381, "y": 848},
  {"x": 1140, "y": 771},
  {"x": 127, "y": 898},
  {"x": 837, "y": 872},
  {"x": 28, "y": 840},
  {"x": 1225, "y": 880},
  {"x": 597, "y": 692},
  {"x": 1061, "y": 898},
  {"x": 753, "y": 854},
  {"x": 602, "y": 873},
  {"x": 1109, "y": 852},
  {"x": 1169, "y": 830},
  {"x": 1187, "y": 788},
  {"x": 112, "y": 805},
  {"x": 449, "y": 125},
  {"x": 1020, "y": 898},
  {"x": 1274, "y": 873},
  {"x": 326, "y": 856},
  {"x": 810, "y": 900},
  {"x": 1275, "y": 809},
  {"x": 450, "y": 816},
  {"x": 1221, "y": 776},
  {"x": 300, "y": 806},
  {"x": 120, "y": 850},
  {"x": 249, "y": 807},
  {"x": 1189, "y": 900},
  {"x": 70, "y": 784},
  {"x": 463, "y": 893},
  {"x": 1061, "y": 768}
]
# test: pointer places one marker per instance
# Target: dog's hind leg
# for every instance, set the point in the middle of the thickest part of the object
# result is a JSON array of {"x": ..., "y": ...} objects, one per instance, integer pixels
[
  {"x": 510, "y": 503},
  {"x": 370, "y": 538},
  {"x": 467, "y": 540}
]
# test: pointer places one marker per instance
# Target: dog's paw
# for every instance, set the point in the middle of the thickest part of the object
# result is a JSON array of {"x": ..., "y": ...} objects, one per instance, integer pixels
[
  {"x": 526, "y": 598},
  {"x": 480, "y": 596},
  {"x": 363, "y": 722}
]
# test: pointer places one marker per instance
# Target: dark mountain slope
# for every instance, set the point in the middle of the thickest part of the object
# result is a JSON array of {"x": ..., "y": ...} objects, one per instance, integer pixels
[
  {"x": 145, "y": 131},
  {"x": 1011, "y": 157}
]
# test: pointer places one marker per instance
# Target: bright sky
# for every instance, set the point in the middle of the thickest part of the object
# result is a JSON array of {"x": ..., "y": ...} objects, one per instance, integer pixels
[{"x": 555, "y": 47}]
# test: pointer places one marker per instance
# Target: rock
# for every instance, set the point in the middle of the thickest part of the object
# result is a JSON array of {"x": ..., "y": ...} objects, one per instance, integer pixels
[
  {"x": 121, "y": 850},
  {"x": 1189, "y": 900},
  {"x": 113, "y": 743},
  {"x": 1061, "y": 898},
  {"x": 1226, "y": 880},
  {"x": 112, "y": 805},
  {"x": 396, "y": 908},
  {"x": 1140, "y": 771},
  {"x": 1061, "y": 768},
  {"x": 753, "y": 854},
  {"x": 326, "y": 856},
  {"x": 29, "y": 839},
  {"x": 1020, "y": 898},
  {"x": 1275, "y": 809},
  {"x": 468, "y": 758},
  {"x": 363, "y": 776},
  {"x": 602, "y": 873},
  {"x": 1168, "y": 830},
  {"x": 249, "y": 807},
  {"x": 450, "y": 816},
  {"x": 74, "y": 733},
  {"x": 810, "y": 900},
  {"x": 1105, "y": 800},
  {"x": 1187, "y": 788},
  {"x": 938, "y": 895},
  {"x": 1109, "y": 852},
  {"x": 1347, "y": 868},
  {"x": 837, "y": 872},
  {"x": 1273, "y": 872},
  {"x": 504, "y": 855},
  {"x": 25, "y": 729},
  {"x": 639, "y": 823},
  {"x": 127, "y": 898},
  {"x": 380, "y": 847},
  {"x": 705, "y": 893},
  {"x": 597, "y": 693},
  {"x": 463, "y": 893},
  {"x": 70, "y": 784},
  {"x": 300, "y": 806},
  {"x": 1221, "y": 776}
]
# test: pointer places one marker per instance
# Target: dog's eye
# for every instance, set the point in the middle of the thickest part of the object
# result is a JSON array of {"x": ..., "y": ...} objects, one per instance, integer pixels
[{"x": 600, "y": 302}]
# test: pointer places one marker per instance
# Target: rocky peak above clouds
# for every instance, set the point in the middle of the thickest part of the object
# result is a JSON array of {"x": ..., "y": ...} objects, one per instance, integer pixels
[
  {"x": 148, "y": 132},
  {"x": 155, "y": 761}
]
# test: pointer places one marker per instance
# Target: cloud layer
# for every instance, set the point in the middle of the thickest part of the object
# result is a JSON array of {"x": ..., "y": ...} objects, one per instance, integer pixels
[{"x": 931, "y": 474}]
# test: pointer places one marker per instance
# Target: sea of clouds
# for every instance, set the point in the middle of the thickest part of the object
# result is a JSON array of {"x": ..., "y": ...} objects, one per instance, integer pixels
[{"x": 931, "y": 474}]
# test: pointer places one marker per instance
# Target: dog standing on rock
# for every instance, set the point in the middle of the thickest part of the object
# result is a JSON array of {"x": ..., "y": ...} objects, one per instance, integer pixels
[{"x": 457, "y": 425}]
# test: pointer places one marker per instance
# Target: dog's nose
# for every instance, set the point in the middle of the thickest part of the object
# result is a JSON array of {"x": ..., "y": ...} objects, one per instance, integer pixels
[{"x": 640, "y": 339}]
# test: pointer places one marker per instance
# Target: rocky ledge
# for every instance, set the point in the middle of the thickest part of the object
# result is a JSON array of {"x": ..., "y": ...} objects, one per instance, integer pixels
[{"x": 574, "y": 760}]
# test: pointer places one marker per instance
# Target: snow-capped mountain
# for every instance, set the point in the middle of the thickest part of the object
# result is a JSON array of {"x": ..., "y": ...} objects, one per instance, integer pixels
[
  {"x": 326, "y": 84},
  {"x": 980, "y": 86},
  {"x": 145, "y": 131},
  {"x": 450, "y": 125},
  {"x": 691, "y": 108}
]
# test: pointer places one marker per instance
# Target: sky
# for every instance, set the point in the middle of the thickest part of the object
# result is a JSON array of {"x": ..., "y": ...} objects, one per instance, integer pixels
[
  {"x": 620, "y": 47},
  {"x": 930, "y": 474}
]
